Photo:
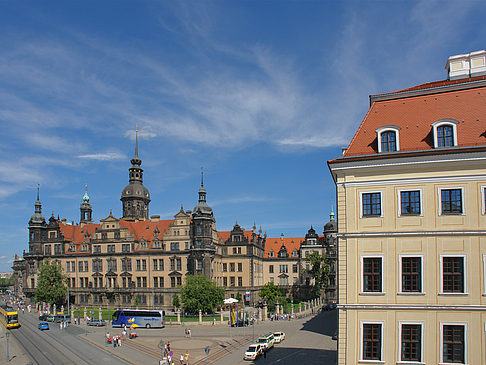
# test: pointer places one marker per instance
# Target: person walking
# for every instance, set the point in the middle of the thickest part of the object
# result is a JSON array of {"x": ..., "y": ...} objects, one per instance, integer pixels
[
  {"x": 187, "y": 357},
  {"x": 182, "y": 359}
]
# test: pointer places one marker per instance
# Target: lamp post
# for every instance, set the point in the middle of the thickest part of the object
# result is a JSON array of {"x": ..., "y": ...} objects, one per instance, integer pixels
[{"x": 6, "y": 336}]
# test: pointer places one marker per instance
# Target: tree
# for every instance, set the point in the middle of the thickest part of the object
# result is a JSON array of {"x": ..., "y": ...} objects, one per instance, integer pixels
[
  {"x": 271, "y": 293},
  {"x": 175, "y": 301},
  {"x": 199, "y": 293},
  {"x": 51, "y": 284},
  {"x": 319, "y": 271}
]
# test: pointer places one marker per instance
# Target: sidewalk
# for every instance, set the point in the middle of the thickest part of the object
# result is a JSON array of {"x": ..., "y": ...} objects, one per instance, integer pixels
[{"x": 15, "y": 352}]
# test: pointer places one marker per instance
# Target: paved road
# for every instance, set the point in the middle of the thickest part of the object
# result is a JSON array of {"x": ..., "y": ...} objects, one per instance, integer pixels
[
  {"x": 57, "y": 346},
  {"x": 308, "y": 341}
]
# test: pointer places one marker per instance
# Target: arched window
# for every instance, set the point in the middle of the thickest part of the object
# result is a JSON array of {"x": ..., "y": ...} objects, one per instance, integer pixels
[
  {"x": 445, "y": 133},
  {"x": 388, "y": 138}
]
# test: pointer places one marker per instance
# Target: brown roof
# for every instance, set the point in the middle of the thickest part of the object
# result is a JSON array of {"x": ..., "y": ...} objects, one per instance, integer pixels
[
  {"x": 415, "y": 114},
  {"x": 76, "y": 233},
  {"x": 275, "y": 244},
  {"x": 225, "y": 235}
]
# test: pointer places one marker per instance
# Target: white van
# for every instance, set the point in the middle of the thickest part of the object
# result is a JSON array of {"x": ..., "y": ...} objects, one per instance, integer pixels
[{"x": 267, "y": 341}]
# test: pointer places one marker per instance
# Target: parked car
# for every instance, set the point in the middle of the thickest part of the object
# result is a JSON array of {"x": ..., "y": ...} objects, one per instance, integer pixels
[
  {"x": 253, "y": 351},
  {"x": 329, "y": 306},
  {"x": 50, "y": 318},
  {"x": 43, "y": 317},
  {"x": 96, "y": 322},
  {"x": 279, "y": 336},
  {"x": 267, "y": 341},
  {"x": 43, "y": 326}
]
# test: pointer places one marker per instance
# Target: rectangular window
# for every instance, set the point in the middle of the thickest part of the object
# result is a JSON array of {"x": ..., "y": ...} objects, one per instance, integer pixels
[
  {"x": 111, "y": 248},
  {"x": 179, "y": 281},
  {"x": 371, "y": 204},
  {"x": 270, "y": 269},
  {"x": 225, "y": 267},
  {"x": 411, "y": 342},
  {"x": 388, "y": 141},
  {"x": 139, "y": 282},
  {"x": 161, "y": 264},
  {"x": 144, "y": 281},
  {"x": 225, "y": 281},
  {"x": 411, "y": 274},
  {"x": 371, "y": 341},
  {"x": 85, "y": 266},
  {"x": 174, "y": 246},
  {"x": 453, "y": 344},
  {"x": 199, "y": 264},
  {"x": 179, "y": 264},
  {"x": 232, "y": 281},
  {"x": 240, "y": 281},
  {"x": 139, "y": 265},
  {"x": 144, "y": 265},
  {"x": 451, "y": 201},
  {"x": 232, "y": 267},
  {"x": 172, "y": 264},
  {"x": 155, "y": 264},
  {"x": 372, "y": 275},
  {"x": 126, "y": 247},
  {"x": 240, "y": 267},
  {"x": 445, "y": 136},
  {"x": 295, "y": 269},
  {"x": 410, "y": 202},
  {"x": 97, "y": 249},
  {"x": 172, "y": 282},
  {"x": 453, "y": 274}
]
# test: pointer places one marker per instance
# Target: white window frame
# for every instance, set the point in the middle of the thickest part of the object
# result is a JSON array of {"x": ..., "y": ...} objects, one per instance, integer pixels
[
  {"x": 388, "y": 128},
  {"x": 399, "y": 191},
  {"x": 483, "y": 196},
  {"x": 361, "y": 323},
  {"x": 361, "y": 204},
  {"x": 422, "y": 325},
  {"x": 442, "y": 324},
  {"x": 439, "y": 123},
  {"x": 439, "y": 199},
  {"x": 441, "y": 268},
  {"x": 484, "y": 275},
  {"x": 382, "y": 292},
  {"x": 401, "y": 292}
]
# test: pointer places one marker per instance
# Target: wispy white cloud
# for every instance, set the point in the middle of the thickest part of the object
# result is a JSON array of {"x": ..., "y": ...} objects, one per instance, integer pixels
[
  {"x": 242, "y": 199},
  {"x": 108, "y": 156}
]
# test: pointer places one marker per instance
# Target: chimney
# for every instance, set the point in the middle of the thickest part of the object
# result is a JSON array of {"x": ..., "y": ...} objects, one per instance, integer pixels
[
  {"x": 154, "y": 218},
  {"x": 466, "y": 65}
]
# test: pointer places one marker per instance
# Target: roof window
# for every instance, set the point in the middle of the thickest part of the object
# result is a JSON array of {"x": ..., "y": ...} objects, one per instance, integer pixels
[
  {"x": 388, "y": 138},
  {"x": 445, "y": 133}
]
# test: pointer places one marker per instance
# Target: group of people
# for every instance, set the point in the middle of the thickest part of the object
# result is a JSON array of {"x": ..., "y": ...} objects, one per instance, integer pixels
[
  {"x": 63, "y": 325},
  {"x": 280, "y": 317},
  {"x": 167, "y": 359},
  {"x": 187, "y": 332}
]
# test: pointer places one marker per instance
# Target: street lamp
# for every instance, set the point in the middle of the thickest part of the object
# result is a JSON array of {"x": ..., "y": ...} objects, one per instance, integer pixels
[{"x": 6, "y": 336}]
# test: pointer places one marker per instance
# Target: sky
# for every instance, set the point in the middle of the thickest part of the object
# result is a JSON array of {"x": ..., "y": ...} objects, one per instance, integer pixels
[{"x": 259, "y": 93}]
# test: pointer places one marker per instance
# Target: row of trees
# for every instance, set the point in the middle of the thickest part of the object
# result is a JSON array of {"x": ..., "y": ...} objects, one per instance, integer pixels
[{"x": 197, "y": 293}]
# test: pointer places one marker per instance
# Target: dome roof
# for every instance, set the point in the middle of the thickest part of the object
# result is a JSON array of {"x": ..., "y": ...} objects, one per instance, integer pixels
[
  {"x": 311, "y": 233},
  {"x": 330, "y": 226},
  {"x": 202, "y": 207},
  {"x": 37, "y": 218},
  {"x": 135, "y": 190}
]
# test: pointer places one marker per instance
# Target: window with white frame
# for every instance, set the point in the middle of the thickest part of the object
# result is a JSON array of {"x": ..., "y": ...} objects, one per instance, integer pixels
[
  {"x": 411, "y": 341},
  {"x": 411, "y": 269},
  {"x": 453, "y": 273},
  {"x": 372, "y": 274},
  {"x": 445, "y": 133},
  {"x": 388, "y": 138},
  {"x": 453, "y": 343},
  {"x": 372, "y": 341},
  {"x": 484, "y": 274},
  {"x": 483, "y": 199},
  {"x": 451, "y": 201},
  {"x": 410, "y": 202},
  {"x": 371, "y": 204}
]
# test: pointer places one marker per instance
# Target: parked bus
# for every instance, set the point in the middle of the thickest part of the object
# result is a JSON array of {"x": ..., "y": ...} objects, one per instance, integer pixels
[
  {"x": 138, "y": 318},
  {"x": 9, "y": 317}
]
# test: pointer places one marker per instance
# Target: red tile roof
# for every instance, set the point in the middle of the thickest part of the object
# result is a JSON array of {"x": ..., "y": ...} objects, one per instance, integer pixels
[
  {"x": 290, "y": 243},
  {"x": 145, "y": 229},
  {"x": 76, "y": 233},
  {"x": 225, "y": 235},
  {"x": 415, "y": 114}
]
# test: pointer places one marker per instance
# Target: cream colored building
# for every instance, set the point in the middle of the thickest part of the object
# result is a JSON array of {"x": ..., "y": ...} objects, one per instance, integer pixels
[{"x": 411, "y": 190}]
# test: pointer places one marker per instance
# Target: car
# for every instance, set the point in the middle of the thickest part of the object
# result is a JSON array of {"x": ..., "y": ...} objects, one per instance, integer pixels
[
  {"x": 267, "y": 341},
  {"x": 96, "y": 322},
  {"x": 43, "y": 326},
  {"x": 43, "y": 317},
  {"x": 253, "y": 351},
  {"x": 329, "y": 306},
  {"x": 50, "y": 318},
  {"x": 279, "y": 336}
]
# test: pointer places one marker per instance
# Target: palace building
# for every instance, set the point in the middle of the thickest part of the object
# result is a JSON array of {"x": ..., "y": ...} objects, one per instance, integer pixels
[
  {"x": 142, "y": 259},
  {"x": 411, "y": 196}
]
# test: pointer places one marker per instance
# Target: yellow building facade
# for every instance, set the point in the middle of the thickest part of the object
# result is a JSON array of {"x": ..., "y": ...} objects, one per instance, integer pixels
[{"x": 411, "y": 190}]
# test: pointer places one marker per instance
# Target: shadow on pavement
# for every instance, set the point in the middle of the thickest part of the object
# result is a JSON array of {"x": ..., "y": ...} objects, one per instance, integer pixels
[
  {"x": 292, "y": 356},
  {"x": 325, "y": 323}
]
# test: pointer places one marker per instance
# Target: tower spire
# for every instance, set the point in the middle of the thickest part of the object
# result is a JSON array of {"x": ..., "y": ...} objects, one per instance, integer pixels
[
  {"x": 136, "y": 141},
  {"x": 38, "y": 188},
  {"x": 202, "y": 176}
]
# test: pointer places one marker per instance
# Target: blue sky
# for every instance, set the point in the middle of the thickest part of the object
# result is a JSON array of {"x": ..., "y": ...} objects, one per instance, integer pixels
[{"x": 260, "y": 93}]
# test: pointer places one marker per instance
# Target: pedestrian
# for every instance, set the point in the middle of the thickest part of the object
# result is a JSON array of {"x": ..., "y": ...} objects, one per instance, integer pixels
[
  {"x": 113, "y": 340},
  {"x": 182, "y": 359},
  {"x": 168, "y": 346},
  {"x": 214, "y": 321},
  {"x": 264, "y": 352},
  {"x": 187, "y": 357},
  {"x": 119, "y": 341}
]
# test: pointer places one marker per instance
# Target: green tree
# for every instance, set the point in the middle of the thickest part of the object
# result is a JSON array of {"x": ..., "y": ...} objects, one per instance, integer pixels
[
  {"x": 199, "y": 293},
  {"x": 271, "y": 293},
  {"x": 175, "y": 301},
  {"x": 319, "y": 271},
  {"x": 51, "y": 284},
  {"x": 238, "y": 297},
  {"x": 137, "y": 301}
]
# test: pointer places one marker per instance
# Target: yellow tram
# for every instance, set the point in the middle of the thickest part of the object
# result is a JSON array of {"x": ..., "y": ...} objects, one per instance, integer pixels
[{"x": 9, "y": 318}]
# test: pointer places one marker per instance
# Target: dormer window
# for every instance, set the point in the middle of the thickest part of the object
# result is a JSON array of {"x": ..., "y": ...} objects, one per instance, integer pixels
[
  {"x": 388, "y": 138},
  {"x": 445, "y": 133}
]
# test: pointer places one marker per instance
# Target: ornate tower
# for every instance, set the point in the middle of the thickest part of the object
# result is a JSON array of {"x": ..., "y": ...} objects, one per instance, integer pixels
[
  {"x": 37, "y": 225},
  {"x": 86, "y": 209},
  {"x": 135, "y": 197},
  {"x": 203, "y": 231}
]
